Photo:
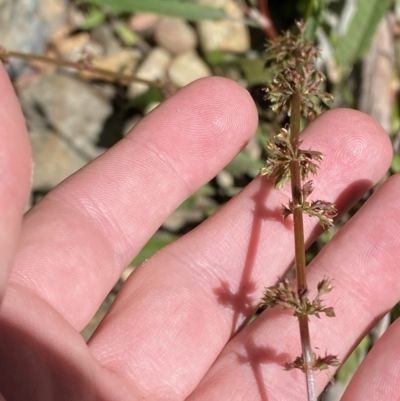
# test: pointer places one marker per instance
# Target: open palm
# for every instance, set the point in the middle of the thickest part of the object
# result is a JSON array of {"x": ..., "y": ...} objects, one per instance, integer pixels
[{"x": 175, "y": 331}]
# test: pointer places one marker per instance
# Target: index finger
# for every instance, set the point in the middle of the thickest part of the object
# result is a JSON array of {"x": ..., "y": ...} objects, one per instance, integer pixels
[{"x": 87, "y": 230}]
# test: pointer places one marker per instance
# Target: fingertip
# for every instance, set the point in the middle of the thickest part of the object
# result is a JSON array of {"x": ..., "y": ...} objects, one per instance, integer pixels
[
  {"x": 358, "y": 124},
  {"x": 354, "y": 144},
  {"x": 219, "y": 91},
  {"x": 204, "y": 125},
  {"x": 212, "y": 113},
  {"x": 15, "y": 169}
]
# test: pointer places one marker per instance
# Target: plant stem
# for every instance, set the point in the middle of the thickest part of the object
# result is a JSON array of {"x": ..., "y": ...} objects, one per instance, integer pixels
[
  {"x": 269, "y": 28},
  {"x": 80, "y": 66},
  {"x": 300, "y": 258}
]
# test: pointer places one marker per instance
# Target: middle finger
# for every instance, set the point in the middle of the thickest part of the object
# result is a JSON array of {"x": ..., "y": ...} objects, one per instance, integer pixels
[{"x": 184, "y": 304}]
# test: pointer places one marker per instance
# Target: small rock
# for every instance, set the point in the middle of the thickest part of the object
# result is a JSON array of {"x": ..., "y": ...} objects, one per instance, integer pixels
[
  {"x": 26, "y": 25},
  {"x": 76, "y": 47},
  {"x": 127, "y": 272},
  {"x": 180, "y": 218},
  {"x": 71, "y": 107},
  {"x": 55, "y": 15},
  {"x": 143, "y": 22},
  {"x": 186, "y": 68},
  {"x": 254, "y": 149},
  {"x": 150, "y": 107},
  {"x": 154, "y": 68},
  {"x": 54, "y": 160},
  {"x": 227, "y": 35},
  {"x": 175, "y": 35},
  {"x": 104, "y": 36},
  {"x": 124, "y": 62},
  {"x": 87, "y": 332},
  {"x": 225, "y": 179}
]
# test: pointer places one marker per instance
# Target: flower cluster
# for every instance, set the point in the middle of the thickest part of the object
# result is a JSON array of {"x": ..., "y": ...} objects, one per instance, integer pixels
[
  {"x": 294, "y": 60},
  {"x": 325, "y": 211},
  {"x": 319, "y": 363},
  {"x": 296, "y": 89},
  {"x": 282, "y": 152},
  {"x": 306, "y": 82},
  {"x": 285, "y": 296}
]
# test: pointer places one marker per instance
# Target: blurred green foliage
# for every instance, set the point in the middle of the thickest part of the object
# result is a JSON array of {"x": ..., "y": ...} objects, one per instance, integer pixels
[
  {"x": 353, "y": 361},
  {"x": 94, "y": 17},
  {"x": 158, "y": 241},
  {"x": 172, "y": 8},
  {"x": 354, "y": 42}
]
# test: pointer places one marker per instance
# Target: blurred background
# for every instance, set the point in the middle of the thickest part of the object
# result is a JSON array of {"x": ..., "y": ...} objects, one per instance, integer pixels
[{"x": 75, "y": 115}]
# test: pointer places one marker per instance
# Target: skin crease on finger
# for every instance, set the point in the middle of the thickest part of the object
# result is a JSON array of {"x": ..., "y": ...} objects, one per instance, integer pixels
[
  {"x": 15, "y": 167},
  {"x": 118, "y": 201},
  {"x": 211, "y": 280},
  {"x": 362, "y": 261},
  {"x": 172, "y": 152},
  {"x": 173, "y": 316}
]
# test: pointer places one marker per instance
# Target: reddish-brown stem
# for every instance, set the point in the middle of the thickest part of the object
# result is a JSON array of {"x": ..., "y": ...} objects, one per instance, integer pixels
[
  {"x": 80, "y": 66},
  {"x": 269, "y": 28},
  {"x": 300, "y": 258}
]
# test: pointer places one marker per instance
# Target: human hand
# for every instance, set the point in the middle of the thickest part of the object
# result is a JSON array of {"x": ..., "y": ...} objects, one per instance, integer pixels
[{"x": 172, "y": 332}]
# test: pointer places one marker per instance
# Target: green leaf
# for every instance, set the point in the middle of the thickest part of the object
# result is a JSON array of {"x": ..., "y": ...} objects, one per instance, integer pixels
[
  {"x": 353, "y": 361},
  {"x": 354, "y": 44},
  {"x": 312, "y": 12},
  {"x": 242, "y": 164},
  {"x": 172, "y": 8},
  {"x": 215, "y": 57},
  {"x": 158, "y": 241},
  {"x": 395, "y": 313},
  {"x": 125, "y": 33},
  {"x": 153, "y": 95},
  {"x": 94, "y": 18},
  {"x": 254, "y": 70},
  {"x": 189, "y": 203},
  {"x": 395, "y": 164}
]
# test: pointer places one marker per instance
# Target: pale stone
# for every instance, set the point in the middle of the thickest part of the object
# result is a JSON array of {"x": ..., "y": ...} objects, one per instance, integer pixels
[
  {"x": 26, "y": 26},
  {"x": 180, "y": 218},
  {"x": 127, "y": 272},
  {"x": 76, "y": 47},
  {"x": 225, "y": 179},
  {"x": 73, "y": 109},
  {"x": 54, "y": 160},
  {"x": 150, "y": 107},
  {"x": 153, "y": 68},
  {"x": 186, "y": 68},
  {"x": 123, "y": 62},
  {"x": 226, "y": 35},
  {"x": 143, "y": 21},
  {"x": 175, "y": 35},
  {"x": 105, "y": 36}
]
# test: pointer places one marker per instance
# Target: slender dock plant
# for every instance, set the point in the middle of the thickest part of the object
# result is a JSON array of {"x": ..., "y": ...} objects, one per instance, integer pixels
[{"x": 296, "y": 90}]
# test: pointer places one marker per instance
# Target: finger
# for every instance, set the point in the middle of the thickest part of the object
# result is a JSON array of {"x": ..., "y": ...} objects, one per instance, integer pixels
[
  {"x": 15, "y": 169},
  {"x": 194, "y": 294},
  {"x": 378, "y": 377},
  {"x": 362, "y": 262},
  {"x": 91, "y": 226},
  {"x": 50, "y": 358}
]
